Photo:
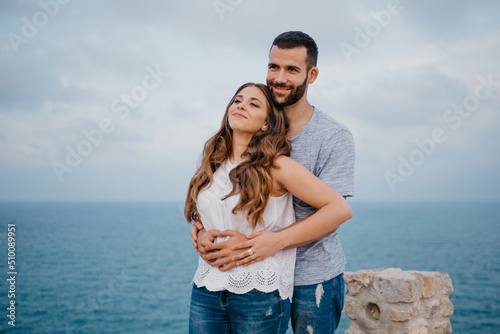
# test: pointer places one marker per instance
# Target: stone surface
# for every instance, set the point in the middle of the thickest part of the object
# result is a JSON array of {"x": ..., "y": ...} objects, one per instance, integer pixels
[
  {"x": 428, "y": 285},
  {"x": 405, "y": 315},
  {"x": 358, "y": 280},
  {"x": 390, "y": 301},
  {"x": 418, "y": 327},
  {"x": 442, "y": 327},
  {"x": 395, "y": 285}
]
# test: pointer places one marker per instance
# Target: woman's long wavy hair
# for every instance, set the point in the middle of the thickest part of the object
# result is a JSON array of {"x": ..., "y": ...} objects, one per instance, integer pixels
[{"x": 251, "y": 178}]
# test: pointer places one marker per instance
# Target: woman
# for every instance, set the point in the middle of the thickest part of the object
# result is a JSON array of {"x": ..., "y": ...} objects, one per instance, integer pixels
[{"x": 245, "y": 183}]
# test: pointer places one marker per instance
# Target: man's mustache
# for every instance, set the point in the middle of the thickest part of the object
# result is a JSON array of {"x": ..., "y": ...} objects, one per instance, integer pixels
[{"x": 280, "y": 86}]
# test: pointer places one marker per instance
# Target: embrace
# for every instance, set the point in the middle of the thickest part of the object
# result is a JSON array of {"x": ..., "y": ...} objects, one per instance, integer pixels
[{"x": 267, "y": 201}]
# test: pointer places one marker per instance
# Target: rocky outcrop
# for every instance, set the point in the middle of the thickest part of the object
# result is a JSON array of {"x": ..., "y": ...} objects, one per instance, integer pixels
[{"x": 393, "y": 301}]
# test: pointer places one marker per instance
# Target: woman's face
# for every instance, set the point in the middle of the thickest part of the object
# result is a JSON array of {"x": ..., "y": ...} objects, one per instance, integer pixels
[{"x": 248, "y": 112}]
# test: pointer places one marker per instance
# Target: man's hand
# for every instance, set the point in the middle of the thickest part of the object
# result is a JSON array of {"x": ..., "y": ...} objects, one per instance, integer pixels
[
  {"x": 200, "y": 238},
  {"x": 220, "y": 254},
  {"x": 263, "y": 245},
  {"x": 197, "y": 226},
  {"x": 206, "y": 238}
]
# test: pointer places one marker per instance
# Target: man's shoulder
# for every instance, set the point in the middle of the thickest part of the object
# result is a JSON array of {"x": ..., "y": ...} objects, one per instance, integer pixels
[{"x": 327, "y": 126}]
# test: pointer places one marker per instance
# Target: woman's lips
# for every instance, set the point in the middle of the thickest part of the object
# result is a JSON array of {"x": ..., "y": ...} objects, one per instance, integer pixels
[{"x": 237, "y": 114}]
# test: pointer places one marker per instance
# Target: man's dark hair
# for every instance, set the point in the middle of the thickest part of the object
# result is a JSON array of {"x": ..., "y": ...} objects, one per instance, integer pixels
[{"x": 295, "y": 39}]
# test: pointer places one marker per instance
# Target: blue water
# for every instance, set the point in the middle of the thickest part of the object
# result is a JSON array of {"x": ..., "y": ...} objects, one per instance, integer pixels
[{"x": 127, "y": 267}]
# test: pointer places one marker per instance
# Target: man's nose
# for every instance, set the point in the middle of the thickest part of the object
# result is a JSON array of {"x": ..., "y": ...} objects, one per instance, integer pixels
[{"x": 280, "y": 77}]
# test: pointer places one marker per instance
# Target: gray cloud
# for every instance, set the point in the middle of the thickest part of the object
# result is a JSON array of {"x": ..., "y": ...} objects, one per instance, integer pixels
[
  {"x": 404, "y": 98},
  {"x": 395, "y": 90}
]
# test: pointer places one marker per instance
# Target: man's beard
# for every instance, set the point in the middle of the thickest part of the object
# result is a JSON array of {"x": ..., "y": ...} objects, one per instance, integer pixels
[{"x": 295, "y": 95}]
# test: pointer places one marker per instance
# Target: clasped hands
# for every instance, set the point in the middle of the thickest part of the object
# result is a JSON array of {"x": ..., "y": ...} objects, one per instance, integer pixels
[{"x": 234, "y": 251}]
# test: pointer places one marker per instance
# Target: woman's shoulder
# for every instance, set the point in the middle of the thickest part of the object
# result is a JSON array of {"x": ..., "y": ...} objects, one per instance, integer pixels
[
  {"x": 285, "y": 165},
  {"x": 282, "y": 161},
  {"x": 287, "y": 173}
]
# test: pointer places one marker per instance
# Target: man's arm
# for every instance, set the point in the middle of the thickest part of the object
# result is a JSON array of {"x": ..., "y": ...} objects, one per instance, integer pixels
[
  {"x": 332, "y": 210},
  {"x": 195, "y": 229},
  {"x": 200, "y": 238},
  {"x": 267, "y": 243},
  {"x": 298, "y": 244}
]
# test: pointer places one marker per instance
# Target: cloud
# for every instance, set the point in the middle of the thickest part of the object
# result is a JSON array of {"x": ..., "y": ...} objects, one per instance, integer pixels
[{"x": 64, "y": 81}]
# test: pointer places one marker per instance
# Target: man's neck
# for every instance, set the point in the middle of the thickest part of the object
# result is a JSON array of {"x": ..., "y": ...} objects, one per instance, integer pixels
[{"x": 298, "y": 115}]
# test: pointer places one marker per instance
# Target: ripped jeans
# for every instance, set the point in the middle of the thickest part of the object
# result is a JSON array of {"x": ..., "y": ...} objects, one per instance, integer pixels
[
  {"x": 220, "y": 312},
  {"x": 317, "y": 308}
]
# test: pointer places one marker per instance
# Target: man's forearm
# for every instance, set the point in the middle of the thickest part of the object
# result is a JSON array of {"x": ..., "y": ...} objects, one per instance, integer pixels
[
  {"x": 308, "y": 238},
  {"x": 305, "y": 241},
  {"x": 314, "y": 227}
]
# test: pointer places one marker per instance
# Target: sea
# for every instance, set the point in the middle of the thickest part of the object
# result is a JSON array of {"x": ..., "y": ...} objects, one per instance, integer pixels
[{"x": 126, "y": 267}]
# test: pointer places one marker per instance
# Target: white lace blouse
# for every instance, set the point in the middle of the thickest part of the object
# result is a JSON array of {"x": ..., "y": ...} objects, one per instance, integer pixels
[{"x": 273, "y": 273}]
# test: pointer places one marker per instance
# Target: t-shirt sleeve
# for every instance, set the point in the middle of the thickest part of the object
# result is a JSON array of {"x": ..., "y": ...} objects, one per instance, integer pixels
[{"x": 336, "y": 166}]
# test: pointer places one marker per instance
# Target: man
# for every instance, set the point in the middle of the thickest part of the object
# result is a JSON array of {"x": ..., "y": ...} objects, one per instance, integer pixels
[{"x": 326, "y": 148}]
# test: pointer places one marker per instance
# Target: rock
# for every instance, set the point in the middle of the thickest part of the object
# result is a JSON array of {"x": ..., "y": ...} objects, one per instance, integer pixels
[
  {"x": 394, "y": 285},
  {"x": 404, "y": 316},
  {"x": 419, "y": 327},
  {"x": 356, "y": 281},
  {"x": 390, "y": 301},
  {"x": 428, "y": 284}
]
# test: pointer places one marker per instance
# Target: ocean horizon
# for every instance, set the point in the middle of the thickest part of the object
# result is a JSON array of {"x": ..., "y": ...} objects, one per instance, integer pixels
[{"x": 126, "y": 267}]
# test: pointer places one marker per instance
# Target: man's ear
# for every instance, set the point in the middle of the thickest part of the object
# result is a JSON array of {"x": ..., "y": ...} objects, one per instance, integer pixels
[{"x": 313, "y": 74}]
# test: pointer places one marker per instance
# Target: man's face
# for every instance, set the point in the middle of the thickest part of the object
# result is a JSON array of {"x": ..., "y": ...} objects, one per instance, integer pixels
[{"x": 287, "y": 75}]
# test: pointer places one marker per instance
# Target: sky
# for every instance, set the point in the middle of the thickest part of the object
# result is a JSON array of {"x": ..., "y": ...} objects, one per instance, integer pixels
[{"x": 114, "y": 100}]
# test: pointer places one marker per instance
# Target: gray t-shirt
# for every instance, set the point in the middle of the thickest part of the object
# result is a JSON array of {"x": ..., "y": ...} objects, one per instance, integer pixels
[{"x": 326, "y": 148}]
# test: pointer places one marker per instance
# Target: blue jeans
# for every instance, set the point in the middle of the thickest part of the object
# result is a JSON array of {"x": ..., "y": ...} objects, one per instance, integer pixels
[
  {"x": 220, "y": 312},
  {"x": 317, "y": 308}
]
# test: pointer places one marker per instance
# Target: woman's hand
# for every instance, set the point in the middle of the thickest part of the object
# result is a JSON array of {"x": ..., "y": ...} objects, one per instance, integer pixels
[{"x": 263, "y": 244}]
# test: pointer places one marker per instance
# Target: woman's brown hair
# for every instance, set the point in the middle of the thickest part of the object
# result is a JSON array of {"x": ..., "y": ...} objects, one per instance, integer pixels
[{"x": 251, "y": 178}]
